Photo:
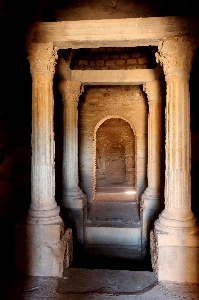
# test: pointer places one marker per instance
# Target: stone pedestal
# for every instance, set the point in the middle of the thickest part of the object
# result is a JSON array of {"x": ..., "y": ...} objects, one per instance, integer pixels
[
  {"x": 175, "y": 238},
  {"x": 42, "y": 240},
  {"x": 151, "y": 199},
  {"x": 43, "y": 250},
  {"x": 73, "y": 198}
]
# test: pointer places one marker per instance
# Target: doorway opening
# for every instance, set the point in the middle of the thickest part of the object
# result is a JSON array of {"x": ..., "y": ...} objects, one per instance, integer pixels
[{"x": 115, "y": 161}]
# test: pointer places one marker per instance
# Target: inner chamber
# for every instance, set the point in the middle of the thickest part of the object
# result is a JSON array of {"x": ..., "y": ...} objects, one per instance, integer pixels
[{"x": 115, "y": 161}]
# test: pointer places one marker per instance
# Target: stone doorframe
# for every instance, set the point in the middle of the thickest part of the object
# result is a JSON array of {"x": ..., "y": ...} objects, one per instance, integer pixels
[{"x": 175, "y": 239}]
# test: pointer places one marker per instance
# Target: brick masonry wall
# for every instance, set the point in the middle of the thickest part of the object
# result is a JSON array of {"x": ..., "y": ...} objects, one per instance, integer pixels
[
  {"x": 125, "y": 58},
  {"x": 98, "y": 104}
]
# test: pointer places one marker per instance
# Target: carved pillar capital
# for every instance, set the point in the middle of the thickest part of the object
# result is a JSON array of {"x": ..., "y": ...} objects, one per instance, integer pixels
[
  {"x": 42, "y": 58},
  {"x": 70, "y": 90},
  {"x": 176, "y": 55},
  {"x": 153, "y": 90}
]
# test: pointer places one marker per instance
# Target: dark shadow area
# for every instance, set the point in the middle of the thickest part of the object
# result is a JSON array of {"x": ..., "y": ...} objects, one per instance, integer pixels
[{"x": 194, "y": 109}]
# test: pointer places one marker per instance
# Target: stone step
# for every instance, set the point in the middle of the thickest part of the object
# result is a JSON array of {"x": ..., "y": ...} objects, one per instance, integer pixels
[
  {"x": 113, "y": 257},
  {"x": 106, "y": 211},
  {"x": 114, "y": 224},
  {"x": 120, "y": 236},
  {"x": 111, "y": 251},
  {"x": 117, "y": 223},
  {"x": 115, "y": 194}
]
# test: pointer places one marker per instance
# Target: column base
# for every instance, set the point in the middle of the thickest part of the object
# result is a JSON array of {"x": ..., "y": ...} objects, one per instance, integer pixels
[
  {"x": 151, "y": 208},
  {"x": 74, "y": 214},
  {"x": 43, "y": 249},
  {"x": 175, "y": 253},
  {"x": 74, "y": 199}
]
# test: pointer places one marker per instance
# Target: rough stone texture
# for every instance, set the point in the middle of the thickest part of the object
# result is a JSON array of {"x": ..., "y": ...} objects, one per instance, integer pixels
[
  {"x": 100, "y": 285},
  {"x": 98, "y": 105},
  {"x": 43, "y": 250}
]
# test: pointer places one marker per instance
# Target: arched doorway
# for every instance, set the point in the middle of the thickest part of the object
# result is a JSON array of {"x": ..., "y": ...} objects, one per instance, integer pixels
[{"x": 115, "y": 161}]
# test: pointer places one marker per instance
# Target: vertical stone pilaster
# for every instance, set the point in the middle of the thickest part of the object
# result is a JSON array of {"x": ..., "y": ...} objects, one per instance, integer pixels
[
  {"x": 175, "y": 239},
  {"x": 41, "y": 243},
  {"x": 73, "y": 198},
  {"x": 151, "y": 199}
]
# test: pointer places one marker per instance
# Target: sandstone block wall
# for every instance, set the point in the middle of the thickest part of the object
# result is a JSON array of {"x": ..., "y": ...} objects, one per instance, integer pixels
[{"x": 96, "y": 106}]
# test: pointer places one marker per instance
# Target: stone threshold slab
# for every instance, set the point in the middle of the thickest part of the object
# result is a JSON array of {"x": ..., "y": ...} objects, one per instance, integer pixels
[{"x": 105, "y": 281}]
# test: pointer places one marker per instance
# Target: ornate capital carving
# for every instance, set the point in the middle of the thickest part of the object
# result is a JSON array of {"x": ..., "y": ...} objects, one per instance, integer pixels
[
  {"x": 42, "y": 58},
  {"x": 153, "y": 90},
  {"x": 176, "y": 55},
  {"x": 70, "y": 90}
]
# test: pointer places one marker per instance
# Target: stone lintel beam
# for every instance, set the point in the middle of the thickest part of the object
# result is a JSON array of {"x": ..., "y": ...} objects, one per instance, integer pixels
[
  {"x": 114, "y": 77},
  {"x": 129, "y": 32}
]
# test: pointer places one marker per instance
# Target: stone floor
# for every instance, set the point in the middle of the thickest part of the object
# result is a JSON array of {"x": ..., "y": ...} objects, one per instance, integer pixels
[{"x": 85, "y": 284}]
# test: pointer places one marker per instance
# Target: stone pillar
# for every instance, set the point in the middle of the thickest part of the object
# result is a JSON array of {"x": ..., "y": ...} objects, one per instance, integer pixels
[
  {"x": 73, "y": 198},
  {"x": 175, "y": 239},
  {"x": 42, "y": 242},
  {"x": 151, "y": 199}
]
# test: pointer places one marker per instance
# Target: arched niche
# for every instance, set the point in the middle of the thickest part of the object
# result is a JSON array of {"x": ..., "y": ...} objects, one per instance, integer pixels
[{"x": 115, "y": 155}]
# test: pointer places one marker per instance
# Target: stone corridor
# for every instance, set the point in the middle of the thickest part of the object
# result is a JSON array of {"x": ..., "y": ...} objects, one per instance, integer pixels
[{"x": 99, "y": 149}]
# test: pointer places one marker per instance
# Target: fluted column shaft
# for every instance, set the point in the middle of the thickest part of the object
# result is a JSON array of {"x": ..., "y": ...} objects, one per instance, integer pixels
[
  {"x": 151, "y": 198},
  {"x": 174, "y": 239},
  {"x": 42, "y": 58},
  {"x": 153, "y": 91},
  {"x": 176, "y": 57},
  {"x": 177, "y": 185},
  {"x": 70, "y": 91}
]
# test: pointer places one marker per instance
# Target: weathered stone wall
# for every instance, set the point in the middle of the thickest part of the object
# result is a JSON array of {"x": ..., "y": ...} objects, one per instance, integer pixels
[
  {"x": 99, "y": 104},
  {"x": 115, "y": 153}
]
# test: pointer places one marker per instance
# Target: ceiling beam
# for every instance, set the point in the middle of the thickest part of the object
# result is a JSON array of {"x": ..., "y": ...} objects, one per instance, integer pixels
[
  {"x": 114, "y": 77},
  {"x": 130, "y": 32}
]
